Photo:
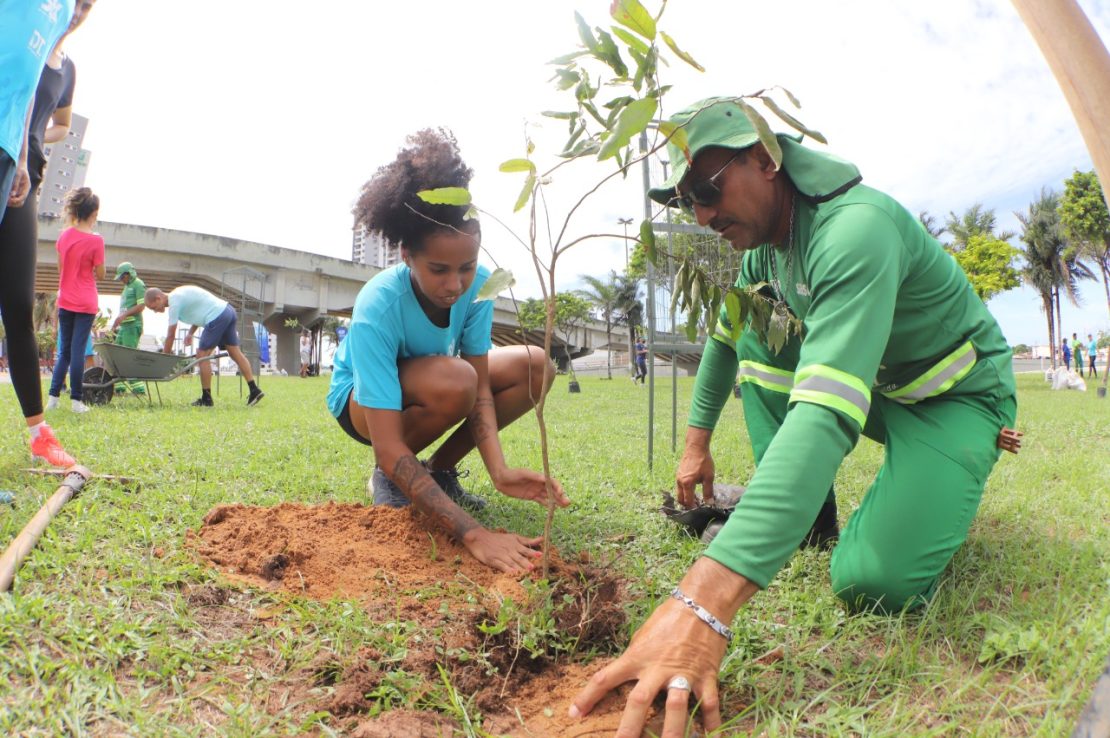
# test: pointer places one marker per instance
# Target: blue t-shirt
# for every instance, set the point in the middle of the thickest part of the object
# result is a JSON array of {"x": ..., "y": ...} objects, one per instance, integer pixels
[
  {"x": 194, "y": 305},
  {"x": 28, "y": 31},
  {"x": 1092, "y": 349},
  {"x": 388, "y": 325}
]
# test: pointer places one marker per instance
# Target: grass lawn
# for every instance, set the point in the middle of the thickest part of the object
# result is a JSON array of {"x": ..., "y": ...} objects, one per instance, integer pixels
[{"x": 104, "y": 633}]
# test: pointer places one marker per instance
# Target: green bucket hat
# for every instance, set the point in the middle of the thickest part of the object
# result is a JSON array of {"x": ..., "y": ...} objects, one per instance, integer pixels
[
  {"x": 126, "y": 267},
  {"x": 719, "y": 121}
]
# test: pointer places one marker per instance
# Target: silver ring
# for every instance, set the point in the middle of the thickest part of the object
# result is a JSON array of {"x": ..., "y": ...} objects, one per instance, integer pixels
[{"x": 679, "y": 682}]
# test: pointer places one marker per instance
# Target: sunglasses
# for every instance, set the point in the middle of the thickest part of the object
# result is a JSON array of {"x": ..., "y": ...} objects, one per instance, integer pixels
[{"x": 705, "y": 193}]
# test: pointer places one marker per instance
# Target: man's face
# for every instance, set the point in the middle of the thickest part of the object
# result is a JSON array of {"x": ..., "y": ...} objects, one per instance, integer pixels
[
  {"x": 746, "y": 212},
  {"x": 158, "y": 303},
  {"x": 125, "y": 277},
  {"x": 80, "y": 13}
]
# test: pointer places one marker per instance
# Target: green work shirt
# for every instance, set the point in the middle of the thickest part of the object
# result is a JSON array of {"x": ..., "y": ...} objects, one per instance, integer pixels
[
  {"x": 133, "y": 293},
  {"x": 883, "y": 306}
]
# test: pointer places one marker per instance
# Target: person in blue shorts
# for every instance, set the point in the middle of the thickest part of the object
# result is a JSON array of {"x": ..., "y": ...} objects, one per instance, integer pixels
[
  {"x": 418, "y": 362},
  {"x": 200, "y": 308}
]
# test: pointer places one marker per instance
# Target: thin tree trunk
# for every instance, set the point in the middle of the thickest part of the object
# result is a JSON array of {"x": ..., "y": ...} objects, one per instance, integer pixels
[
  {"x": 1053, "y": 347},
  {"x": 1059, "y": 318},
  {"x": 608, "y": 348}
]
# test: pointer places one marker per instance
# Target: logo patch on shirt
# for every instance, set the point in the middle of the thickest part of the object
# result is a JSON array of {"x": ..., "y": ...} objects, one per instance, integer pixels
[
  {"x": 37, "y": 44},
  {"x": 51, "y": 8},
  {"x": 802, "y": 289}
]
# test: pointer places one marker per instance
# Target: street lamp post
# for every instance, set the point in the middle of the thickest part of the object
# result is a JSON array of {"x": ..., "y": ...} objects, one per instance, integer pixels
[{"x": 625, "y": 222}]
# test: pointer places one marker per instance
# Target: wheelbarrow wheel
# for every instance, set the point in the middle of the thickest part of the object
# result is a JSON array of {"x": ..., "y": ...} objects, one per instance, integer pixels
[{"x": 98, "y": 375}]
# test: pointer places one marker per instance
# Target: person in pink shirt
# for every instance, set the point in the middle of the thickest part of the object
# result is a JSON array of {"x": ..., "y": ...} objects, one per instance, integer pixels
[{"x": 80, "y": 264}]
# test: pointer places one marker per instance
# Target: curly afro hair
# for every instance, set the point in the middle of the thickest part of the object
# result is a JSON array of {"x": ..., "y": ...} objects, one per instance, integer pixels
[{"x": 388, "y": 202}]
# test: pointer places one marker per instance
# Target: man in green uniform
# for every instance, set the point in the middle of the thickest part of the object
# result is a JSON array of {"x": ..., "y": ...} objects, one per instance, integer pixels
[
  {"x": 128, "y": 325},
  {"x": 896, "y": 346},
  {"x": 1077, "y": 352}
]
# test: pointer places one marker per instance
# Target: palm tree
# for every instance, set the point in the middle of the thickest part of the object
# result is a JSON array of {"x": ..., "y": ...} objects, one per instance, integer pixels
[
  {"x": 929, "y": 223},
  {"x": 1051, "y": 265},
  {"x": 630, "y": 311},
  {"x": 604, "y": 296},
  {"x": 975, "y": 220}
]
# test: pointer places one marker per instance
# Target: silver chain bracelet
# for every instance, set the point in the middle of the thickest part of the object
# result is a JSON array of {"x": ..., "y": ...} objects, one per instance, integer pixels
[{"x": 703, "y": 615}]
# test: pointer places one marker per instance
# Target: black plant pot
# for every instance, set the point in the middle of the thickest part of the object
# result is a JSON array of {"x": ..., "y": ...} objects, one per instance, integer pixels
[
  {"x": 1102, "y": 392},
  {"x": 573, "y": 386}
]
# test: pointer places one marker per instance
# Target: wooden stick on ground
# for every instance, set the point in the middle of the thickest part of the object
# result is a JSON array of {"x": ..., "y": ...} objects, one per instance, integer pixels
[
  {"x": 62, "y": 472},
  {"x": 75, "y": 479}
]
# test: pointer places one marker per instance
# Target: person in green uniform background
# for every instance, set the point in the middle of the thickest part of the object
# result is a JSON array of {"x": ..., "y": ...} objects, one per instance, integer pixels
[
  {"x": 1077, "y": 352},
  {"x": 896, "y": 346},
  {"x": 128, "y": 325}
]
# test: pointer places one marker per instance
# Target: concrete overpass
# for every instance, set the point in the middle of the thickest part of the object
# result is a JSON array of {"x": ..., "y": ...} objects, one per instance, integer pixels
[{"x": 286, "y": 283}]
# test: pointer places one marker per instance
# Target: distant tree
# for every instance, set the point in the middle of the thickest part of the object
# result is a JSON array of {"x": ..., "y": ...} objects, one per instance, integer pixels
[
  {"x": 989, "y": 265},
  {"x": 976, "y": 220},
  {"x": 1049, "y": 264},
  {"x": 571, "y": 313},
  {"x": 1086, "y": 222},
  {"x": 1021, "y": 348},
  {"x": 630, "y": 311},
  {"x": 929, "y": 223},
  {"x": 604, "y": 295}
]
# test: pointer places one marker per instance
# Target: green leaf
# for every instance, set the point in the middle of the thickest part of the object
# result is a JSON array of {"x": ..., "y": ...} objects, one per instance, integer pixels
[
  {"x": 732, "y": 308},
  {"x": 609, "y": 53},
  {"x": 680, "y": 53},
  {"x": 517, "y": 165},
  {"x": 676, "y": 135},
  {"x": 766, "y": 135},
  {"x": 586, "y": 34},
  {"x": 676, "y": 288},
  {"x": 499, "y": 281},
  {"x": 634, "y": 44},
  {"x": 631, "y": 14},
  {"x": 567, "y": 58},
  {"x": 525, "y": 192},
  {"x": 790, "y": 96},
  {"x": 791, "y": 121},
  {"x": 647, "y": 237},
  {"x": 585, "y": 147},
  {"x": 566, "y": 79},
  {"x": 778, "y": 329},
  {"x": 633, "y": 119},
  {"x": 560, "y": 115},
  {"x": 445, "y": 196}
]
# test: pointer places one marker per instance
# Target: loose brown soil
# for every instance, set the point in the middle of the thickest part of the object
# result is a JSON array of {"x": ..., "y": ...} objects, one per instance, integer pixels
[{"x": 385, "y": 558}]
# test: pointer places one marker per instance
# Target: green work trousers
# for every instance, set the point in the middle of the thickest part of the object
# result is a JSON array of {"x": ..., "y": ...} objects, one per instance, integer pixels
[
  {"x": 128, "y": 335},
  {"x": 918, "y": 510}
]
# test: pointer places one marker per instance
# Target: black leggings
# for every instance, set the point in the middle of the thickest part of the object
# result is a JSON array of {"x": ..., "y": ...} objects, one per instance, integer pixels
[{"x": 19, "y": 235}]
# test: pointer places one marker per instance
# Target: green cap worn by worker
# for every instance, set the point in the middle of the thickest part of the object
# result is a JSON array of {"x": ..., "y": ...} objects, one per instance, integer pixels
[
  {"x": 130, "y": 327},
  {"x": 896, "y": 345}
]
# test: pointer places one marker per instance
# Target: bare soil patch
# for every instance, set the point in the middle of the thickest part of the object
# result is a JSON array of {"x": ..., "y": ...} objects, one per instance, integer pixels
[{"x": 507, "y": 645}]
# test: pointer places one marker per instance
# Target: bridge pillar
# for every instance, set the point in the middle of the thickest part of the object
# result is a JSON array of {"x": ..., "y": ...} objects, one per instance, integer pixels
[{"x": 287, "y": 352}]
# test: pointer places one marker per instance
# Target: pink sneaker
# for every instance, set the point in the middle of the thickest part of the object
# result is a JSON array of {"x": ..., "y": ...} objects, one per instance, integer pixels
[{"x": 47, "y": 448}]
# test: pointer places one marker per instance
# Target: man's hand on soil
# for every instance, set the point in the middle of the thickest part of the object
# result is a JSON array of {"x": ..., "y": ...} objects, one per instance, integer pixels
[
  {"x": 505, "y": 552},
  {"x": 672, "y": 643}
]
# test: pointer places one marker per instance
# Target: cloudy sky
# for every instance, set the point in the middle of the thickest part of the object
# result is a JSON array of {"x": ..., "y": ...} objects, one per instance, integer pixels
[{"x": 260, "y": 119}]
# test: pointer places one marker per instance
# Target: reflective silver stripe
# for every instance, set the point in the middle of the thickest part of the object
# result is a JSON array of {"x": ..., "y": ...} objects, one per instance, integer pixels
[
  {"x": 767, "y": 379},
  {"x": 944, "y": 379},
  {"x": 817, "y": 383}
]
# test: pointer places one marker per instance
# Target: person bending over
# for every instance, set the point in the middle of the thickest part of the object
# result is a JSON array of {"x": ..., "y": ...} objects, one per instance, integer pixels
[
  {"x": 199, "y": 307},
  {"x": 418, "y": 360}
]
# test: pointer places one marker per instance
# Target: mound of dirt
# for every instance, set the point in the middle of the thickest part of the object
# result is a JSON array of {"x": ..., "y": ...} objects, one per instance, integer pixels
[{"x": 384, "y": 557}]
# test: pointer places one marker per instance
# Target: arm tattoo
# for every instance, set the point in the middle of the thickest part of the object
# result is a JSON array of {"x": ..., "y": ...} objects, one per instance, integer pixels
[
  {"x": 479, "y": 429},
  {"x": 414, "y": 480}
]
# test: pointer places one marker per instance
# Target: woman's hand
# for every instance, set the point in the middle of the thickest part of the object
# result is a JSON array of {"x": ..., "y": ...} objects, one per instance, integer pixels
[
  {"x": 505, "y": 552},
  {"x": 525, "y": 484}
]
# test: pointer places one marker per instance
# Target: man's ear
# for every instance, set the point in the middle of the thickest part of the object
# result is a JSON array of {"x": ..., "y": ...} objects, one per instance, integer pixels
[{"x": 766, "y": 163}]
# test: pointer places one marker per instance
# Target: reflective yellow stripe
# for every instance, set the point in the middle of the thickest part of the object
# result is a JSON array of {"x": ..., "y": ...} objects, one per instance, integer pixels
[
  {"x": 724, "y": 337},
  {"x": 939, "y": 379},
  {"x": 768, "y": 377},
  {"x": 824, "y": 385}
]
